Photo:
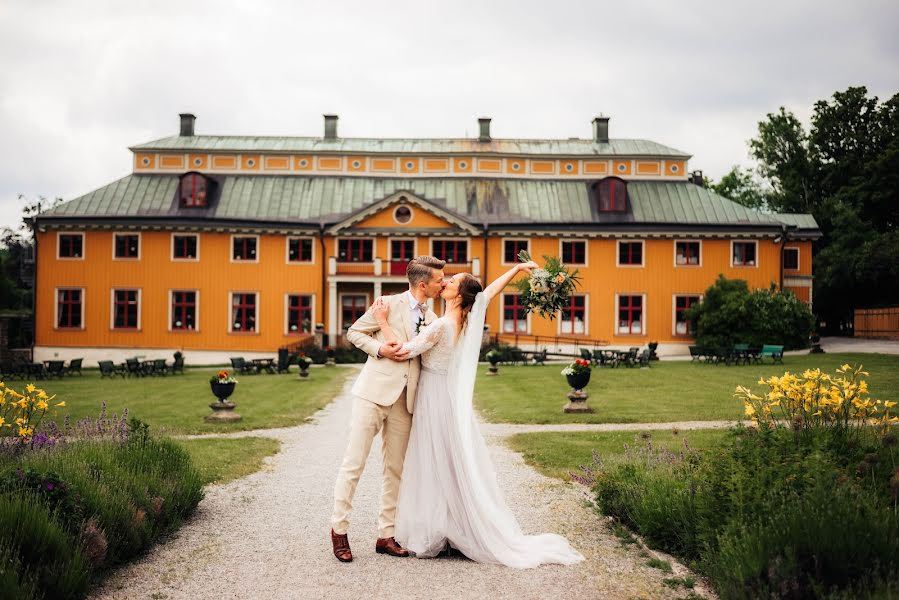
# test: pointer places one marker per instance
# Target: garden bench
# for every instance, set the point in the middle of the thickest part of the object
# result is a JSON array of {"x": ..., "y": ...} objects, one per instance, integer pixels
[
  {"x": 539, "y": 357},
  {"x": 643, "y": 358},
  {"x": 740, "y": 354},
  {"x": 158, "y": 367},
  {"x": 56, "y": 368},
  {"x": 240, "y": 365},
  {"x": 629, "y": 358},
  {"x": 775, "y": 352},
  {"x": 133, "y": 368},
  {"x": 109, "y": 369}
]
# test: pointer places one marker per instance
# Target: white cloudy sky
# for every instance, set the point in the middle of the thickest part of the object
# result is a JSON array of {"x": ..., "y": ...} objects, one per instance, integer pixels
[{"x": 82, "y": 80}]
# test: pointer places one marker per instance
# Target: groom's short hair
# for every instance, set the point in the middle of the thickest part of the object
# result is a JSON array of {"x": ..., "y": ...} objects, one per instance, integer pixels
[{"x": 419, "y": 269}]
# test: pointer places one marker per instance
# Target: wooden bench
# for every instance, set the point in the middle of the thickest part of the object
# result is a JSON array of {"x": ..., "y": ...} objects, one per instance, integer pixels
[{"x": 775, "y": 352}]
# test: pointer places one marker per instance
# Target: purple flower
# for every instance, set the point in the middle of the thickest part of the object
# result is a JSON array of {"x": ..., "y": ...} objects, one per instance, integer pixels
[{"x": 49, "y": 486}]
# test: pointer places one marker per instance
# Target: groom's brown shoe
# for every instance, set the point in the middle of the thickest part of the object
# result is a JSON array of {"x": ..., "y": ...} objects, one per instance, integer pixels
[
  {"x": 341, "y": 545},
  {"x": 389, "y": 546}
]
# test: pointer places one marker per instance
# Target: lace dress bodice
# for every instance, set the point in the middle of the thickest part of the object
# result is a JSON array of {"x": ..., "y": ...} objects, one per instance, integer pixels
[{"x": 435, "y": 345}]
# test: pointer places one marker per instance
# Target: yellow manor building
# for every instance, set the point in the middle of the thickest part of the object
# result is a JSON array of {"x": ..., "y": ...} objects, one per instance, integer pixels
[{"x": 223, "y": 245}]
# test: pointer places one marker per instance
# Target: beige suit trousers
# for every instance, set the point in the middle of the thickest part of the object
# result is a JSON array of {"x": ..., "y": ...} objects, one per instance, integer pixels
[{"x": 394, "y": 422}]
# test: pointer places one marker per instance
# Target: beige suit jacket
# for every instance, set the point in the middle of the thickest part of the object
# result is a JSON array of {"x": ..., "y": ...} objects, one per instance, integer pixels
[{"x": 382, "y": 380}]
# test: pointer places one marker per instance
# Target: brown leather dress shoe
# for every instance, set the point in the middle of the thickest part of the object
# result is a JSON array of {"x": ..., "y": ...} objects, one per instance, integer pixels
[
  {"x": 341, "y": 545},
  {"x": 389, "y": 546}
]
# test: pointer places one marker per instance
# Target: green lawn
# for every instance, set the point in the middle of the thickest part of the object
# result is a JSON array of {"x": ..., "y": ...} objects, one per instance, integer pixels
[
  {"x": 556, "y": 454},
  {"x": 668, "y": 391},
  {"x": 221, "y": 460},
  {"x": 177, "y": 404}
]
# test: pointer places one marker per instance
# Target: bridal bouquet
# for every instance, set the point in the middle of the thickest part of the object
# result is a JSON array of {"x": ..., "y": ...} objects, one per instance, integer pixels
[{"x": 549, "y": 289}]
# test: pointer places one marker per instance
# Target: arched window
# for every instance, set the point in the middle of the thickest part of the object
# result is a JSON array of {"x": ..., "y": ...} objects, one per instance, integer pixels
[
  {"x": 612, "y": 194},
  {"x": 193, "y": 190}
]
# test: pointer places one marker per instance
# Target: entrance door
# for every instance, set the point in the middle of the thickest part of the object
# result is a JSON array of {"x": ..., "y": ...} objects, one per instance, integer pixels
[{"x": 400, "y": 255}]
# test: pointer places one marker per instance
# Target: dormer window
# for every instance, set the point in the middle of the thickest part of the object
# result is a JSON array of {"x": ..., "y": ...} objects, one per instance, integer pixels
[
  {"x": 612, "y": 194},
  {"x": 194, "y": 190}
]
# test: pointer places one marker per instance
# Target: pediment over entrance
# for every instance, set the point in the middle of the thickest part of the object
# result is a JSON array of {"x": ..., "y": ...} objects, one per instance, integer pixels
[{"x": 404, "y": 213}]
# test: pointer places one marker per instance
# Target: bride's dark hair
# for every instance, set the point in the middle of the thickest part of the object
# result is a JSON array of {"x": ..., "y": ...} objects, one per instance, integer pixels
[{"x": 469, "y": 288}]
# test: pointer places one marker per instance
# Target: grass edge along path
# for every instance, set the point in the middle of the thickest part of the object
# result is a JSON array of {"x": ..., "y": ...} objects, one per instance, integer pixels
[{"x": 220, "y": 460}]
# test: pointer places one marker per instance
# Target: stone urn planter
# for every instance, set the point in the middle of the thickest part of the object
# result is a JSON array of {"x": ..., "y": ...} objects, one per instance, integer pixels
[
  {"x": 578, "y": 381},
  {"x": 222, "y": 409},
  {"x": 303, "y": 363},
  {"x": 330, "y": 360},
  {"x": 493, "y": 357},
  {"x": 578, "y": 376}
]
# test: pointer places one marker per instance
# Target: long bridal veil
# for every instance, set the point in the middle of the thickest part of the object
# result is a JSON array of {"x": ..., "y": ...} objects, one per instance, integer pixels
[{"x": 490, "y": 532}]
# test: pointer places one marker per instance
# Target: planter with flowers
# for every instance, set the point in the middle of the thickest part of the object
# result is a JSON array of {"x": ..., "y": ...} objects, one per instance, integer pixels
[
  {"x": 493, "y": 356},
  {"x": 578, "y": 376},
  {"x": 222, "y": 385},
  {"x": 303, "y": 362},
  {"x": 329, "y": 361}
]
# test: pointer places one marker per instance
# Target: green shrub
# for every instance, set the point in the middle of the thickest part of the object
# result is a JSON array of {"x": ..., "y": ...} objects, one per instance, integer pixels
[
  {"x": 730, "y": 313},
  {"x": 507, "y": 353}
]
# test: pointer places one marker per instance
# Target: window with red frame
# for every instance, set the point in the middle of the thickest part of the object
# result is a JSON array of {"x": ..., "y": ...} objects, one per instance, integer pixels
[
  {"x": 299, "y": 313},
  {"x": 574, "y": 253},
  {"x": 351, "y": 308},
  {"x": 299, "y": 249},
  {"x": 630, "y": 253},
  {"x": 574, "y": 316},
  {"x": 630, "y": 314},
  {"x": 515, "y": 317},
  {"x": 124, "y": 309},
  {"x": 71, "y": 245},
  {"x": 243, "y": 312},
  {"x": 68, "y": 309},
  {"x": 451, "y": 251},
  {"x": 612, "y": 194},
  {"x": 244, "y": 248},
  {"x": 193, "y": 191},
  {"x": 184, "y": 247},
  {"x": 127, "y": 245},
  {"x": 184, "y": 310},
  {"x": 791, "y": 259},
  {"x": 683, "y": 325},
  {"x": 511, "y": 248},
  {"x": 351, "y": 250},
  {"x": 686, "y": 253},
  {"x": 744, "y": 254}
]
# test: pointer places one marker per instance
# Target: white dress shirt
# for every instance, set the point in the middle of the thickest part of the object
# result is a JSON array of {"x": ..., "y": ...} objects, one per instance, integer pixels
[{"x": 415, "y": 312}]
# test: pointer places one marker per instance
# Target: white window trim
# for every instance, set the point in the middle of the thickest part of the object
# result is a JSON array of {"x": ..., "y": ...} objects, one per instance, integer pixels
[
  {"x": 195, "y": 235},
  {"x": 674, "y": 298},
  {"x": 502, "y": 320},
  {"x": 287, "y": 260},
  {"x": 686, "y": 265},
  {"x": 643, "y": 322},
  {"x": 59, "y": 234},
  {"x": 505, "y": 263},
  {"x": 374, "y": 249},
  {"x": 586, "y": 319},
  {"x": 411, "y": 213},
  {"x": 140, "y": 245},
  {"x": 196, "y": 328},
  {"x": 243, "y": 261},
  {"x": 56, "y": 291},
  {"x": 340, "y": 296},
  {"x": 756, "y": 265},
  {"x": 618, "y": 254},
  {"x": 452, "y": 239},
  {"x": 586, "y": 243},
  {"x": 231, "y": 329},
  {"x": 287, "y": 296},
  {"x": 798, "y": 259},
  {"x": 140, "y": 306}
]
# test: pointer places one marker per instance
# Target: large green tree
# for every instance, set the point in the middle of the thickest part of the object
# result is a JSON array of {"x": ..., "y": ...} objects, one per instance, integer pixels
[{"x": 844, "y": 170}]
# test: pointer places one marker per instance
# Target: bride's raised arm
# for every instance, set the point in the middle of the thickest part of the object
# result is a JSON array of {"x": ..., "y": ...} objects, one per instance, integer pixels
[{"x": 503, "y": 280}]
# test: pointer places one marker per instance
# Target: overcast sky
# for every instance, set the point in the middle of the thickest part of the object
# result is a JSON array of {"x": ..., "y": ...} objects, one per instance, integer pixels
[{"x": 82, "y": 80}]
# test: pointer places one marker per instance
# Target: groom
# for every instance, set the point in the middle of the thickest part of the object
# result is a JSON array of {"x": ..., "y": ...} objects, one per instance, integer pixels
[{"x": 383, "y": 400}]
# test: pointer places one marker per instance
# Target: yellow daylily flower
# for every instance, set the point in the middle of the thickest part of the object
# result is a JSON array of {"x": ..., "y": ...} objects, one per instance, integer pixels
[
  {"x": 749, "y": 410},
  {"x": 41, "y": 405},
  {"x": 30, "y": 388},
  {"x": 63, "y": 403}
]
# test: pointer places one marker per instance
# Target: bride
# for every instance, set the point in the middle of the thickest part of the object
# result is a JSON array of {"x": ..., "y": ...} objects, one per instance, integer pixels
[{"x": 449, "y": 494}]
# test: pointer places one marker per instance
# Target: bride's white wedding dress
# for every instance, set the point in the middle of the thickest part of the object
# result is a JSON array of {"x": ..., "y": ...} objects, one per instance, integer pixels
[{"x": 449, "y": 492}]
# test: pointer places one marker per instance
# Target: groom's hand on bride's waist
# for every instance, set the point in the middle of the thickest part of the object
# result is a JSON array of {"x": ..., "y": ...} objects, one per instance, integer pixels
[{"x": 389, "y": 349}]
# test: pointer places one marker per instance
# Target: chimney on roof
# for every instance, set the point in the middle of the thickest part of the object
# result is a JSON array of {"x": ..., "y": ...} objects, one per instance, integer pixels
[
  {"x": 484, "y": 126},
  {"x": 330, "y": 127},
  {"x": 697, "y": 179},
  {"x": 187, "y": 124},
  {"x": 601, "y": 130}
]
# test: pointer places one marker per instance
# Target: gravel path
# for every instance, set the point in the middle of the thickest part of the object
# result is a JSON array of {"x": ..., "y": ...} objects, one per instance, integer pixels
[{"x": 266, "y": 536}]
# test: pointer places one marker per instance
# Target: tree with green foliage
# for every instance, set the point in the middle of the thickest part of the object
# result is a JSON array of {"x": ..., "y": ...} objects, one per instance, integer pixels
[
  {"x": 730, "y": 313},
  {"x": 741, "y": 186}
]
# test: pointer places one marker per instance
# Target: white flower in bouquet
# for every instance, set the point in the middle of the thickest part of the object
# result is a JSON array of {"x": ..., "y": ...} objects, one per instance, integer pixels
[{"x": 548, "y": 289}]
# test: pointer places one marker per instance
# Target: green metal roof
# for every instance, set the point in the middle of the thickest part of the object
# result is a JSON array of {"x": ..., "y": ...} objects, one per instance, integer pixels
[
  {"x": 570, "y": 147},
  {"x": 298, "y": 200}
]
